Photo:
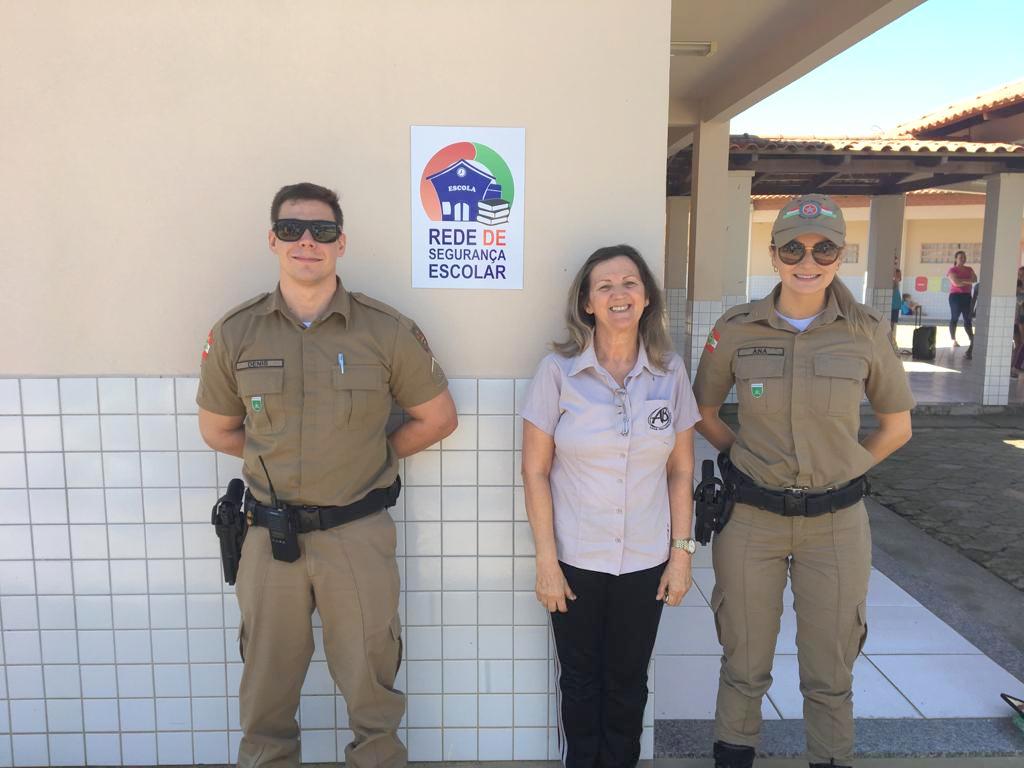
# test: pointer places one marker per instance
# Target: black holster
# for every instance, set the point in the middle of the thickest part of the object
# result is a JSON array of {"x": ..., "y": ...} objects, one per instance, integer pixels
[
  {"x": 230, "y": 524},
  {"x": 712, "y": 504}
]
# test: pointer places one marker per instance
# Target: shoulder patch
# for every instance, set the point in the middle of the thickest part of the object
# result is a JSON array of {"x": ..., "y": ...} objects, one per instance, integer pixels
[
  {"x": 207, "y": 347},
  {"x": 418, "y": 335}
]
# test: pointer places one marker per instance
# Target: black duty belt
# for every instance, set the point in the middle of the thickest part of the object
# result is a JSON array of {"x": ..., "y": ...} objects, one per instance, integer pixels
[
  {"x": 792, "y": 502},
  {"x": 310, "y": 518}
]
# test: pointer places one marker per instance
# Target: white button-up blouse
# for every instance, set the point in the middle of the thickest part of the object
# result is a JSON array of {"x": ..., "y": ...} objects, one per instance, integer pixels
[{"x": 609, "y": 484}]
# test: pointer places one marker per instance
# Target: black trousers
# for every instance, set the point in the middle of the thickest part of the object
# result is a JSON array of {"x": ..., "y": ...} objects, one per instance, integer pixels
[{"x": 604, "y": 645}]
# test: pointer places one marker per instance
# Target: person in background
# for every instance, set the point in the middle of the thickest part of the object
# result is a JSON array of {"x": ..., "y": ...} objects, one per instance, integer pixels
[
  {"x": 961, "y": 280},
  {"x": 909, "y": 306},
  {"x": 897, "y": 300},
  {"x": 801, "y": 359},
  {"x": 608, "y": 474}
]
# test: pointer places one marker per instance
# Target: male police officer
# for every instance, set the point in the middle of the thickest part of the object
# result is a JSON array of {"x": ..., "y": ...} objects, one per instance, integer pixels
[{"x": 302, "y": 379}]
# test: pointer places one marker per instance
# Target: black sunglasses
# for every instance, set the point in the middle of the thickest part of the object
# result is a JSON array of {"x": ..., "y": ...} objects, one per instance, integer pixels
[
  {"x": 824, "y": 253},
  {"x": 291, "y": 230}
]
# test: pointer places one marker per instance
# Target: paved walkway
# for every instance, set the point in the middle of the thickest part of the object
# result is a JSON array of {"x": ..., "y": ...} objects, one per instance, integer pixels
[{"x": 961, "y": 480}]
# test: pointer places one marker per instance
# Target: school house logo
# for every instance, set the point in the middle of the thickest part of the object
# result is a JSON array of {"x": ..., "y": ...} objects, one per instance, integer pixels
[
  {"x": 469, "y": 203},
  {"x": 467, "y": 181}
]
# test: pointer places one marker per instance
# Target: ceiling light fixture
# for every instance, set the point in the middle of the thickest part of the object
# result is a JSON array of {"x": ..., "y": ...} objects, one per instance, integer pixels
[{"x": 693, "y": 47}]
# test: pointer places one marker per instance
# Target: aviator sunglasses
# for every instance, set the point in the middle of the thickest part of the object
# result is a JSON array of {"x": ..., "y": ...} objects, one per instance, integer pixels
[
  {"x": 824, "y": 253},
  {"x": 291, "y": 230}
]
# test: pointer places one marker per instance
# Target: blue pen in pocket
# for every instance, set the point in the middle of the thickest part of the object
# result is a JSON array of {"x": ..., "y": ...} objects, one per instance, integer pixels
[{"x": 341, "y": 361}]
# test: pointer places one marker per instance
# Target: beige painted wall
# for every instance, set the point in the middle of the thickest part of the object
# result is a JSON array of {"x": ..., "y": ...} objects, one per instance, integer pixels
[
  {"x": 150, "y": 137},
  {"x": 948, "y": 231}
]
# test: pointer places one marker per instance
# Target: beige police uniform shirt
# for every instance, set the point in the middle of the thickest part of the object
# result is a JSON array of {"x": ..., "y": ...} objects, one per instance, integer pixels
[
  {"x": 609, "y": 483},
  {"x": 800, "y": 393},
  {"x": 316, "y": 400}
]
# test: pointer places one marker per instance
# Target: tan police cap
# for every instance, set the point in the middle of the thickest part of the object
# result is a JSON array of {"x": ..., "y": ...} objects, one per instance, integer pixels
[{"x": 810, "y": 214}]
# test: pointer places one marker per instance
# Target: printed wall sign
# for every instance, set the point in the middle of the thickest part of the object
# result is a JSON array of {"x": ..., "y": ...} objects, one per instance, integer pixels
[{"x": 467, "y": 207}]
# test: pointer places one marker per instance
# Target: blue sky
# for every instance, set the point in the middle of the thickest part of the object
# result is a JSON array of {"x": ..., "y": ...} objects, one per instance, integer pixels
[{"x": 941, "y": 52}]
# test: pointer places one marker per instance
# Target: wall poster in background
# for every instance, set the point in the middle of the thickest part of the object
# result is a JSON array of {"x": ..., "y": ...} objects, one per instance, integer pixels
[{"x": 467, "y": 207}]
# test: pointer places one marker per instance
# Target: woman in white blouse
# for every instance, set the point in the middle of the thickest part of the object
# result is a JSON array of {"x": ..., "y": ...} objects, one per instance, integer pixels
[{"x": 608, "y": 471}]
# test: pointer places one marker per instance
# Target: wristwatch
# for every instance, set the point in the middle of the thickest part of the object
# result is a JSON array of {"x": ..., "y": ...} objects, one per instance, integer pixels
[{"x": 690, "y": 545}]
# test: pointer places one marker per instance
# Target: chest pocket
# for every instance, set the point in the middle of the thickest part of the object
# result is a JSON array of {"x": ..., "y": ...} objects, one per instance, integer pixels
[
  {"x": 262, "y": 391},
  {"x": 655, "y": 420},
  {"x": 838, "y": 384},
  {"x": 359, "y": 394},
  {"x": 760, "y": 383}
]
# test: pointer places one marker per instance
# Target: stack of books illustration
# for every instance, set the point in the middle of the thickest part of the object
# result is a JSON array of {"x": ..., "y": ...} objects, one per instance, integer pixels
[{"x": 492, "y": 212}]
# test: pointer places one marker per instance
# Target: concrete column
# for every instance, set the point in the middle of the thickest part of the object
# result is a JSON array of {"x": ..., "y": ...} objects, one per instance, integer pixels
[
  {"x": 677, "y": 248},
  {"x": 709, "y": 217},
  {"x": 1000, "y": 252},
  {"x": 885, "y": 243},
  {"x": 737, "y": 242}
]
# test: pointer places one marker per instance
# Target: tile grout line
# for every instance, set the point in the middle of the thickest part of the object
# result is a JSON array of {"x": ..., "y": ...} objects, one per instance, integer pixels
[
  {"x": 893, "y": 684},
  {"x": 39, "y": 634},
  {"x": 9, "y": 736}
]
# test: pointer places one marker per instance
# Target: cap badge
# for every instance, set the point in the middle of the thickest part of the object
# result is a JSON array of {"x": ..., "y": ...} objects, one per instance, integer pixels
[{"x": 757, "y": 389}]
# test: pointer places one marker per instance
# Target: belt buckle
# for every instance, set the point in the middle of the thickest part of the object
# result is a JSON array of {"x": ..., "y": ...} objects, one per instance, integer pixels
[{"x": 794, "y": 501}]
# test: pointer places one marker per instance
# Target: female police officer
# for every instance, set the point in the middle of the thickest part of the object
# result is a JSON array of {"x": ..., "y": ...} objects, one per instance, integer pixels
[{"x": 801, "y": 359}]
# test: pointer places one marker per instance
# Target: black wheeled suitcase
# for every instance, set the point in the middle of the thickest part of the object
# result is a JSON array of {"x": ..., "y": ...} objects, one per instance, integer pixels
[{"x": 924, "y": 339}]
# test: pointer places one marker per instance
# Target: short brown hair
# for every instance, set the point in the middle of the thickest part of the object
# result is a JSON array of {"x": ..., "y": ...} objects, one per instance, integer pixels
[{"x": 307, "y": 191}]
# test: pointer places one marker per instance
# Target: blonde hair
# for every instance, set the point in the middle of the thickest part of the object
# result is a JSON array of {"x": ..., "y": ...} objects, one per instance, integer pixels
[
  {"x": 580, "y": 324},
  {"x": 855, "y": 312}
]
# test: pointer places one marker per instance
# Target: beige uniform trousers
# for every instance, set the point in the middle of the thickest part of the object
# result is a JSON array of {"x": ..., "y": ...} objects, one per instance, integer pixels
[
  {"x": 350, "y": 575},
  {"x": 828, "y": 559}
]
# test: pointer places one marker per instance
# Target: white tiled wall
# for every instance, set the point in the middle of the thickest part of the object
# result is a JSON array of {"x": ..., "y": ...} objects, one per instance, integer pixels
[
  {"x": 118, "y": 633},
  {"x": 996, "y": 347}
]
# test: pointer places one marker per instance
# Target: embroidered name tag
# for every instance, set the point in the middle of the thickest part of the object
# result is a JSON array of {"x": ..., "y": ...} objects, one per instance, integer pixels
[
  {"x": 244, "y": 365},
  {"x": 761, "y": 351}
]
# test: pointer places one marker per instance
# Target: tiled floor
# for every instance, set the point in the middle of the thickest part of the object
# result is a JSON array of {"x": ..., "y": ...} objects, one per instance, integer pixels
[
  {"x": 950, "y": 378},
  {"x": 913, "y": 666}
]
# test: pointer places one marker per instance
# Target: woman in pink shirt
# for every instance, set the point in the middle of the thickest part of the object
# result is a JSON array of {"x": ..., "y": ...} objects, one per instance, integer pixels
[
  {"x": 608, "y": 473},
  {"x": 961, "y": 280}
]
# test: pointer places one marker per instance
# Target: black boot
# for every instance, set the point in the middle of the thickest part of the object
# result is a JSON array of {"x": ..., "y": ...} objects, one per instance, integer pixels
[{"x": 733, "y": 756}]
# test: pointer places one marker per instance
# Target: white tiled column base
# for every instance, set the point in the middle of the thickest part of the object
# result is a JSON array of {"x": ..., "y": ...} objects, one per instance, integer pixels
[
  {"x": 759, "y": 286},
  {"x": 120, "y": 636},
  {"x": 705, "y": 315},
  {"x": 702, "y": 318},
  {"x": 881, "y": 299},
  {"x": 994, "y": 349},
  {"x": 675, "y": 298}
]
